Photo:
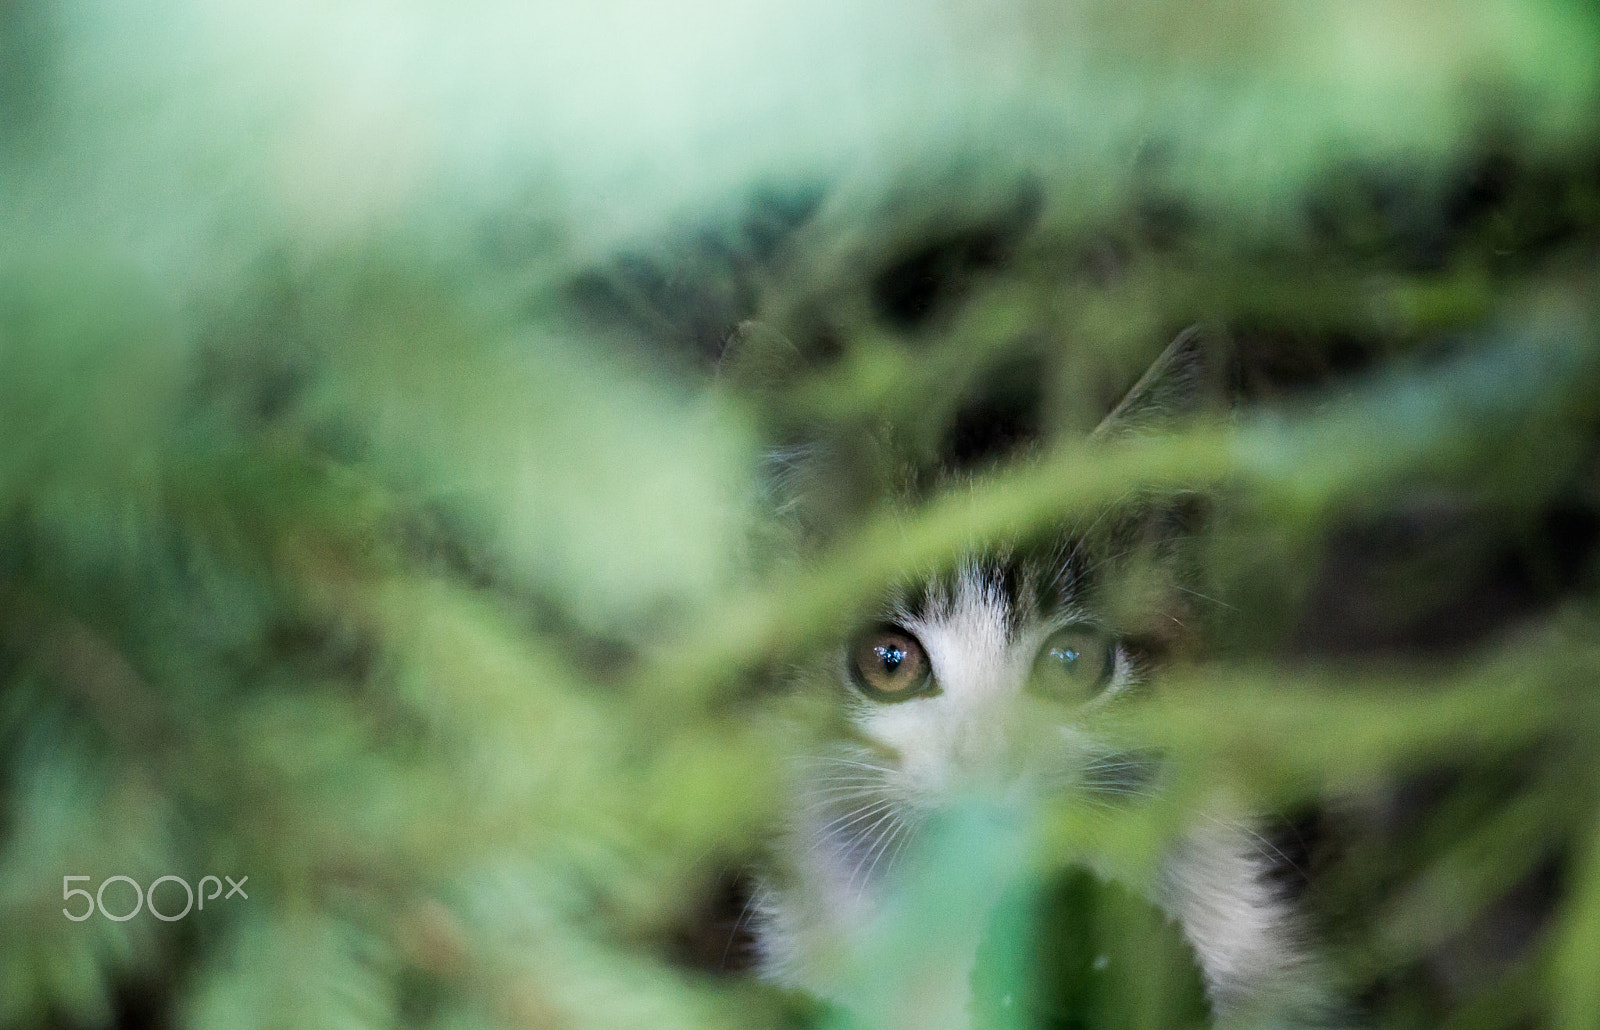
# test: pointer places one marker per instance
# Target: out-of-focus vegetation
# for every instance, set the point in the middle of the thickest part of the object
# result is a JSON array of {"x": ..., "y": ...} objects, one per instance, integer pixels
[{"x": 371, "y": 525}]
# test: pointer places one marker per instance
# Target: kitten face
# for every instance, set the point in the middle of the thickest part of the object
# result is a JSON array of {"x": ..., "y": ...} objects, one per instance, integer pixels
[
  {"x": 992, "y": 669},
  {"x": 978, "y": 684}
]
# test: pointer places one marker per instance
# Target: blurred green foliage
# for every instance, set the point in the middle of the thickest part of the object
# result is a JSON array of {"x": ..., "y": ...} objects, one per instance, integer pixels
[{"x": 358, "y": 536}]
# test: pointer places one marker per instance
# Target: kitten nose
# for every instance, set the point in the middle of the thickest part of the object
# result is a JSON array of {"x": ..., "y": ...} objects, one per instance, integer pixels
[
  {"x": 990, "y": 750},
  {"x": 1004, "y": 749},
  {"x": 978, "y": 748}
]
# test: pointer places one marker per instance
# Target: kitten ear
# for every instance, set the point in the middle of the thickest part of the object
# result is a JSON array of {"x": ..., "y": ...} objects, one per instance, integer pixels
[
  {"x": 758, "y": 358},
  {"x": 820, "y": 480},
  {"x": 1148, "y": 542},
  {"x": 1184, "y": 381}
]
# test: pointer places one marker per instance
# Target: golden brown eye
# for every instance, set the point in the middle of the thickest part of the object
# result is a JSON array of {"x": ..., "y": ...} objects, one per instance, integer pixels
[
  {"x": 1075, "y": 664},
  {"x": 888, "y": 664}
]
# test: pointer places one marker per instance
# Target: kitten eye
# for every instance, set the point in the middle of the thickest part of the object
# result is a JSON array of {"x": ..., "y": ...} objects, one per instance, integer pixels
[
  {"x": 889, "y": 665},
  {"x": 1075, "y": 664}
]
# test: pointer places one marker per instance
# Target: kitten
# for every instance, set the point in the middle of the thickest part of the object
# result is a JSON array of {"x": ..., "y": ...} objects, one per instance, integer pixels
[{"x": 984, "y": 677}]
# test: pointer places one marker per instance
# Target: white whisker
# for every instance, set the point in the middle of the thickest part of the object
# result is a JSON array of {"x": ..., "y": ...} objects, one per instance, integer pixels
[
  {"x": 910, "y": 832},
  {"x": 868, "y": 832},
  {"x": 733, "y": 935},
  {"x": 1262, "y": 844},
  {"x": 854, "y": 816},
  {"x": 835, "y": 760},
  {"x": 894, "y": 831}
]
